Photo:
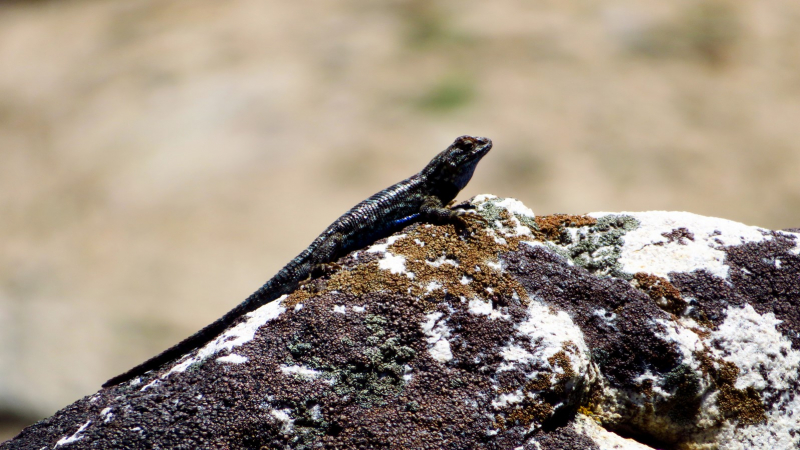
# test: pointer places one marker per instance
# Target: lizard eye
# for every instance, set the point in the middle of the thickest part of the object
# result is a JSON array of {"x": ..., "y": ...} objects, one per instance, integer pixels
[{"x": 465, "y": 142}]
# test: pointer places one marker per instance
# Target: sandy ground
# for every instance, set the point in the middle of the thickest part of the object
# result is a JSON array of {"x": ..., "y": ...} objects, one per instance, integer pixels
[{"x": 159, "y": 160}]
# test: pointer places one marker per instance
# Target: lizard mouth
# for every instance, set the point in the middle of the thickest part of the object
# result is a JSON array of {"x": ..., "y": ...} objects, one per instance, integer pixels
[{"x": 485, "y": 144}]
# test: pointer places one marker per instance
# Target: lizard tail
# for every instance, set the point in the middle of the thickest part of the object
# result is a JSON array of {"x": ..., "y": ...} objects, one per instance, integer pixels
[{"x": 271, "y": 290}]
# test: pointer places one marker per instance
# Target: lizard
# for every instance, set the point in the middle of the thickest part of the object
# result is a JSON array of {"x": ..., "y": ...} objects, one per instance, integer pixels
[{"x": 425, "y": 196}]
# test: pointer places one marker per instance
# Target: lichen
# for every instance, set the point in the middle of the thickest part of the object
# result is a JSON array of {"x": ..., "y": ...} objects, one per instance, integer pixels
[
  {"x": 663, "y": 293},
  {"x": 594, "y": 244},
  {"x": 742, "y": 405},
  {"x": 372, "y": 377}
]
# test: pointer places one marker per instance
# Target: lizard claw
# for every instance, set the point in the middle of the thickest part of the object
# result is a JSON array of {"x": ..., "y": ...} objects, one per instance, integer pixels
[
  {"x": 331, "y": 267},
  {"x": 324, "y": 269}
]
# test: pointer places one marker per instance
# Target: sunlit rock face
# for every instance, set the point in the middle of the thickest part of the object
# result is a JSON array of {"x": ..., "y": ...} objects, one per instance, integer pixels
[{"x": 597, "y": 331}]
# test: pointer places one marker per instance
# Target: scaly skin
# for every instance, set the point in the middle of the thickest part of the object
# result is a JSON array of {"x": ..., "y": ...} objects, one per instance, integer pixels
[{"x": 421, "y": 197}]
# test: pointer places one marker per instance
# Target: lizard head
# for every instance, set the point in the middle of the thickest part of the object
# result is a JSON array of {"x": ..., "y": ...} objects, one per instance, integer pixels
[{"x": 456, "y": 164}]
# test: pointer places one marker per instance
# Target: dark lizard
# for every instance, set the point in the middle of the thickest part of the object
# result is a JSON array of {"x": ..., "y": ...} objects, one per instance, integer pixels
[{"x": 421, "y": 197}]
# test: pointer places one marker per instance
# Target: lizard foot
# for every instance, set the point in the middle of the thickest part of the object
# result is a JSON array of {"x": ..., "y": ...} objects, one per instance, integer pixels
[
  {"x": 327, "y": 268},
  {"x": 461, "y": 216}
]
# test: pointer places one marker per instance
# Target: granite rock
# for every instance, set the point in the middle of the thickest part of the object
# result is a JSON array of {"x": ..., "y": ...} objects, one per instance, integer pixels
[{"x": 599, "y": 331}]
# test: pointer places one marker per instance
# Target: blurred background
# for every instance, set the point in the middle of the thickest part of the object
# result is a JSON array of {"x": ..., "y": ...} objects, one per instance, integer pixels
[{"x": 159, "y": 160}]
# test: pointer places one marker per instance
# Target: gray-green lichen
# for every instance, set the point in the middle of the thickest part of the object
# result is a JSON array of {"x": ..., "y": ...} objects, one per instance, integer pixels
[
  {"x": 373, "y": 377},
  {"x": 598, "y": 247}
]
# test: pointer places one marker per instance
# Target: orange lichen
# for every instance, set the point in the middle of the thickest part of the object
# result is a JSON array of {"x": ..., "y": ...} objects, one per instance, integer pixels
[
  {"x": 744, "y": 405},
  {"x": 444, "y": 261},
  {"x": 666, "y": 296},
  {"x": 550, "y": 227}
]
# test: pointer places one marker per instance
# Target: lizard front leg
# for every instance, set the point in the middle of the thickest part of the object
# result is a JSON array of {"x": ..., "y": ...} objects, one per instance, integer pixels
[{"x": 433, "y": 211}]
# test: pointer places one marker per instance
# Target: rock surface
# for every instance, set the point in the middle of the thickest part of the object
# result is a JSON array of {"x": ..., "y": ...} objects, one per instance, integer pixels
[{"x": 601, "y": 331}]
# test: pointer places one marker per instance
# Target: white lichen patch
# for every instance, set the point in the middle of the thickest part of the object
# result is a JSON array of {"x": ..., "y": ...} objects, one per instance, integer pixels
[
  {"x": 648, "y": 248},
  {"x": 359, "y": 309},
  {"x": 316, "y": 412},
  {"x": 610, "y": 318},
  {"x": 764, "y": 356},
  {"x": 480, "y": 307},
  {"x": 106, "y": 415},
  {"x": 432, "y": 286},
  {"x": 233, "y": 358},
  {"x": 550, "y": 332},
  {"x": 437, "y": 332},
  {"x": 515, "y": 206},
  {"x": 383, "y": 248},
  {"x": 234, "y": 337},
  {"x": 302, "y": 371},
  {"x": 506, "y": 399},
  {"x": 656, "y": 388},
  {"x": 482, "y": 198},
  {"x": 394, "y": 263},
  {"x": 513, "y": 227},
  {"x": 483, "y": 308},
  {"x": 442, "y": 260},
  {"x": 686, "y": 341},
  {"x": 499, "y": 240},
  {"x": 513, "y": 354},
  {"x": 796, "y": 249},
  {"x": 407, "y": 375},
  {"x": 515, "y": 230},
  {"x": 150, "y": 384},
  {"x": 340, "y": 309},
  {"x": 75, "y": 437},
  {"x": 547, "y": 344},
  {"x": 283, "y": 416}
]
